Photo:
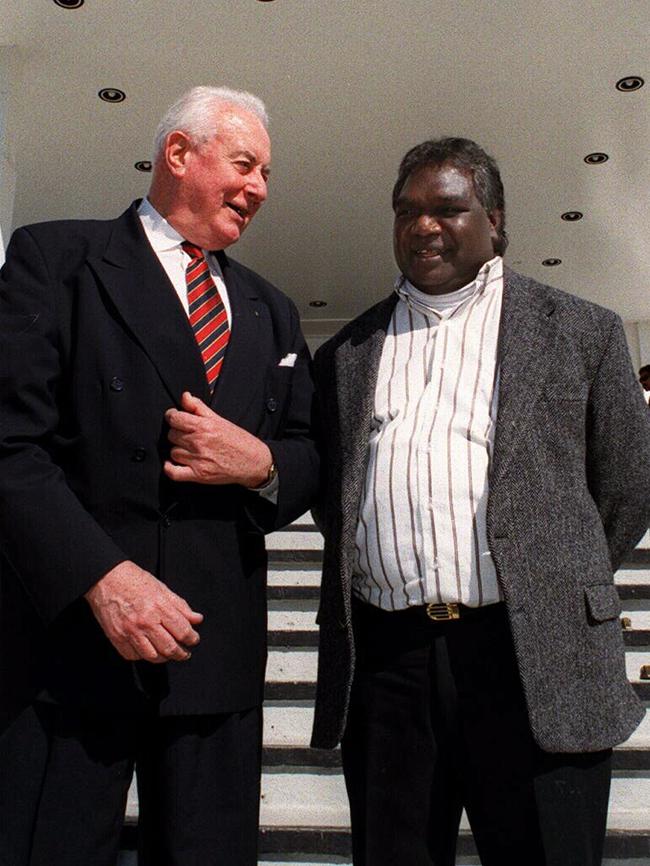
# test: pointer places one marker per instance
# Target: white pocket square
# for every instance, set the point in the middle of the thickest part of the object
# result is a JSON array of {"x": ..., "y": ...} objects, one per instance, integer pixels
[{"x": 288, "y": 360}]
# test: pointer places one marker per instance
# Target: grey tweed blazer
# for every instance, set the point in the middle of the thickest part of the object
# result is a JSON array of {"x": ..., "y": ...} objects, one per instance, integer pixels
[{"x": 569, "y": 498}]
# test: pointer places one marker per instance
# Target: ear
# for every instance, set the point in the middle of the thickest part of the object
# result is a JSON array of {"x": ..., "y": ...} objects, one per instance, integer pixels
[
  {"x": 496, "y": 222},
  {"x": 176, "y": 152}
]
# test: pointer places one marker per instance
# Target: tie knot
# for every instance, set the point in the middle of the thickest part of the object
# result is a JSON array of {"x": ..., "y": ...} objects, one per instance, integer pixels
[{"x": 193, "y": 251}]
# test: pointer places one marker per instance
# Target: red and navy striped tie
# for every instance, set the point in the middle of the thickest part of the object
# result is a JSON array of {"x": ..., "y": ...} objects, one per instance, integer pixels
[{"x": 207, "y": 313}]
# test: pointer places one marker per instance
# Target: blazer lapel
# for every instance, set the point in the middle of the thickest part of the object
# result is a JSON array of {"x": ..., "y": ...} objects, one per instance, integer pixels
[
  {"x": 527, "y": 336},
  {"x": 356, "y": 369},
  {"x": 242, "y": 379},
  {"x": 141, "y": 292}
]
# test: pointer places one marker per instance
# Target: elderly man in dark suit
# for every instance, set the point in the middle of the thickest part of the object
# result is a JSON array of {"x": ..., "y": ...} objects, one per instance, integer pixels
[
  {"x": 155, "y": 407},
  {"x": 487, "y": 455}
]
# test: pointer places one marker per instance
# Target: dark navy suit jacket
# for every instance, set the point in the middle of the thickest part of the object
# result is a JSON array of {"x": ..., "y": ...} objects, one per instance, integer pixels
[{"x": 94, "y": 347}]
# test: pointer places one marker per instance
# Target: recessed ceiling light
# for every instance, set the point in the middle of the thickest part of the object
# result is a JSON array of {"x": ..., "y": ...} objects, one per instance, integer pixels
[
  {"x": 572, "y": 216},
  {"x": 111, "y": 94},
  {"x": 69, "y": 4},
  {"x": 632, "y": 82},
  {"x": 551, "y": 263},
  {"x": 318, "y": 303},
  {"x": 143, "y": 165},
  {"x": 596, "y": 158}
]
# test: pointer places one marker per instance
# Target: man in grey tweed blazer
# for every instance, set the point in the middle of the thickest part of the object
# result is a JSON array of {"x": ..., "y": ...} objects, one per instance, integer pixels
[{"x": 503, "y": 689}]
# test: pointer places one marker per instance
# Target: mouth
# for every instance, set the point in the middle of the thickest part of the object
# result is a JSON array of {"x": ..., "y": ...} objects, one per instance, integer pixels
[
  {"x": 241, "y": 212},
  {"x": 428, "y": 253}
]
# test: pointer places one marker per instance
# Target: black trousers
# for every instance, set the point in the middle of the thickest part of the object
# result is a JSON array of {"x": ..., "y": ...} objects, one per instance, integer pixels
[
  {"x": 64, "y": 778},
  {"x": 438, "y": 722}
]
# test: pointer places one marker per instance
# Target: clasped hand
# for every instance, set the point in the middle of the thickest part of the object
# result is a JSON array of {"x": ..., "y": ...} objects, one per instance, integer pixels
[{"x": 208, "y": 449}]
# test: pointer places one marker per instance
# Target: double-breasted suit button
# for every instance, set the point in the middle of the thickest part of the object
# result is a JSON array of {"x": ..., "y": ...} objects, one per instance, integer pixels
[
  {"x": 272, "y": 404},
  {"x": 138, "y": 455},
  {"x": 166, "y": 521},
  {"x": 116, "y": 384}
]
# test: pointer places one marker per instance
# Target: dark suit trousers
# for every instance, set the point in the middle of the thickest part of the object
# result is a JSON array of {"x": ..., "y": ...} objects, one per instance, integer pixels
[
  {"x": 64, "y": 778},
  {"x": 438, "y": 722}
]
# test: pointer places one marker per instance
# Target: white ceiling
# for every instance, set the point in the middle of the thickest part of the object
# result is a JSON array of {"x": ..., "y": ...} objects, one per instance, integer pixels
[{"x": 350, "y": 86}]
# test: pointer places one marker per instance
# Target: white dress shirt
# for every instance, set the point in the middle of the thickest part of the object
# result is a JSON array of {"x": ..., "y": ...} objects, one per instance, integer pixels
[{"x": 166, "y": 243}]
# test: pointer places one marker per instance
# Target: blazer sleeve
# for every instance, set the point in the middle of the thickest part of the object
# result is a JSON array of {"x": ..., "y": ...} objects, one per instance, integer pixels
[
  {"x": 618, "y": 447},
  {"x": 294, "y": 452},
  {"x": 56, "y": 547}
]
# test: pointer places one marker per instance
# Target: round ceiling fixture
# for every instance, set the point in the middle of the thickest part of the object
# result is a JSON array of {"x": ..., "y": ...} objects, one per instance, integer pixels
[
  {"x": 69, "y": 4},
  {"x": 111, "y": 94},
  {"x": 551, "y": 263},
  {"x": 143, "y": 165},
  {"x": 630, "y": 83},
  {"x": 572, "y": 216},
  {"x": 318, "y": 303},
  {"x": 596, "y": 158}
]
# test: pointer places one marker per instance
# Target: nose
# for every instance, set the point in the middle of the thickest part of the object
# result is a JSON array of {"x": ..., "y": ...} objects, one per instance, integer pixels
[
  {"x": 257, "y": 186},
  {"x": 426, "y": 224}
]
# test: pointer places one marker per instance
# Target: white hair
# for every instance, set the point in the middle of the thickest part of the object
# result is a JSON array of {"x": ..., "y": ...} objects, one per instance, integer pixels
[{"x": 196, "y": 113}]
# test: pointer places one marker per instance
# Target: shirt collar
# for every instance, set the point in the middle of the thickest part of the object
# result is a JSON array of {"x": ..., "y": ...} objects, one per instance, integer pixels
[
  {"x": 161, "y": 235},
  {"x": 444, "y": 305}
]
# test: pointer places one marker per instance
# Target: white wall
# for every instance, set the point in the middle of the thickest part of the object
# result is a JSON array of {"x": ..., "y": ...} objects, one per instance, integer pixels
[{"x": 7, "y": 157}]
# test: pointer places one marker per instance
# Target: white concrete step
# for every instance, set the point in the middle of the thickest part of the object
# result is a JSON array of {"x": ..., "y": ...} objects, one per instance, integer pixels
[
  {"x": 287, "y": 665},
  {"x": 317, "y": 798},
  {"x": 632, "y": 576},
  {"x": 633, "y": 662},
  {"x": 288, "y": 724},
  {"x": 640, "y": 739},
  {"x": 292, "y": 665},
  {"x": 638, "y": 616},
  {"x": 294, "y": 615},
  {"x": 294, "y": 540},
  {"x": 298, "y": 574}
]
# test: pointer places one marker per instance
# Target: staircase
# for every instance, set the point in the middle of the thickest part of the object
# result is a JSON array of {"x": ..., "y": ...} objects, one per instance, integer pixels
[{"x": 304, "y": 816}]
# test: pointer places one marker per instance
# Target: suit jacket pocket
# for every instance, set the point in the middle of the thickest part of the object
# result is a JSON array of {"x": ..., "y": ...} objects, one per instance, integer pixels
[{"x": 603, "y": 602}]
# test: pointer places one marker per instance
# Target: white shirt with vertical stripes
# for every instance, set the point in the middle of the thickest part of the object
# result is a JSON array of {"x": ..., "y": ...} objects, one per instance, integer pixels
[{"x": 422, "y": 534}]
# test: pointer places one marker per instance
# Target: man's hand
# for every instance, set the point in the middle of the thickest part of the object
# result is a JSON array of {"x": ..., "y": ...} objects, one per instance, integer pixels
[
  {"x": 142, "y": 617},
  {"x": 208, "y": 449}
]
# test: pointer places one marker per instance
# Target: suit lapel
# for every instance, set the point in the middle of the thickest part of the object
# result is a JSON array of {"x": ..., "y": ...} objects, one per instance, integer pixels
[
  {"x": 241, "y": 382},
  {"x": 145, "y": 300},
  {"x": 527, "y": 336}
]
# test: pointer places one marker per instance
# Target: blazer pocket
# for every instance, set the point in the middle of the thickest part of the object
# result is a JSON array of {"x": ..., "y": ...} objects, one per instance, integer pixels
[{"x": 603, "y": 602}]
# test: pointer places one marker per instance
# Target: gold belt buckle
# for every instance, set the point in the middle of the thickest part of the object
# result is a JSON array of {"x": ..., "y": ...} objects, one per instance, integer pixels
[{"x": 443, "y": 612}]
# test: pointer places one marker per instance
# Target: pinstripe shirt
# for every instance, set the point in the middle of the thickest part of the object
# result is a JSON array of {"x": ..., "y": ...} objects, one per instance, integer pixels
[{"x": 422, "y": 533}]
